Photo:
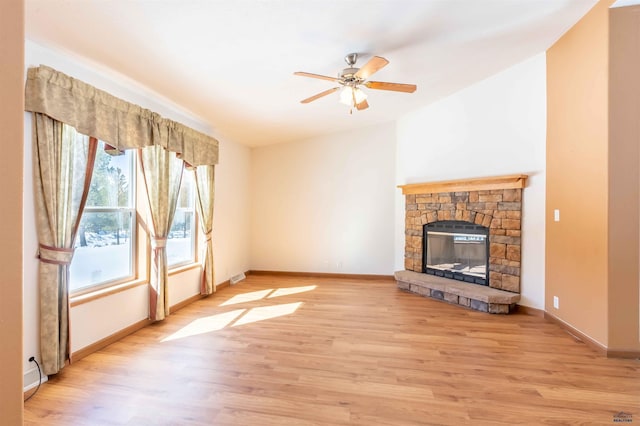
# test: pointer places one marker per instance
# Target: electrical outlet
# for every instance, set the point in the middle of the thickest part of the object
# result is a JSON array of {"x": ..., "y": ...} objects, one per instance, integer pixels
[
  {"x": 556, "y": 302},
  {"x": 556, "y": 215}
]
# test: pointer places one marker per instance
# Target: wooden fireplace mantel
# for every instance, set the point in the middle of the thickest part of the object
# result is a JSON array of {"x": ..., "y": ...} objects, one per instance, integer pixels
[{"x": 468, "y": 184}]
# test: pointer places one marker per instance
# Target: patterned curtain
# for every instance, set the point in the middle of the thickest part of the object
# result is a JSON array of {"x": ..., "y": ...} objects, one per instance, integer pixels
[
  {"x": 115, "y": 121},
  {"x": 205, "y": 187},
  {"x": 162, "y": 172},
  {"x": 63, "y": 165}
]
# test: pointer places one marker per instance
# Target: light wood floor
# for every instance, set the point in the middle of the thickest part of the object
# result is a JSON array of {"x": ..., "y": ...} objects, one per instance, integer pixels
[{"x": 302, "y": 351}]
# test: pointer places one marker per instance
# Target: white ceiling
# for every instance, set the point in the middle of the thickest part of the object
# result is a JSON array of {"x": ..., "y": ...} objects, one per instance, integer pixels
[{"x": 231, "y": 62}]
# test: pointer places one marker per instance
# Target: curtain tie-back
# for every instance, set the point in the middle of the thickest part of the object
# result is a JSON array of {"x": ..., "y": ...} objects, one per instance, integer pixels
[
  {"x": 158, "y": 242},
  {"x": 55, "y": 255},
  {"x": 208, "y": 235}
]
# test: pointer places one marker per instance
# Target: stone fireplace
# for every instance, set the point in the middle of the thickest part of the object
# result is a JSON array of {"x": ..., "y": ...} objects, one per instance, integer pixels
[{"x": 457, "y": 211}]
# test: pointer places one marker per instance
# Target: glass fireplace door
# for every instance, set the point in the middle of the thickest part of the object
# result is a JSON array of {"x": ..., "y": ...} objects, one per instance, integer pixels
[{"x": 457, "y": 250}]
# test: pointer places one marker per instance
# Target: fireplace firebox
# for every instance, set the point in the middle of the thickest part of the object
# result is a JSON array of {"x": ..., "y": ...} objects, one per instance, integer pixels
[{"x": 456, "y": 249}]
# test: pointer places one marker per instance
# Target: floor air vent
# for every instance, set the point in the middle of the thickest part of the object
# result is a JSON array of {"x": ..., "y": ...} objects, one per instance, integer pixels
[{"x": 237, "y": 278}]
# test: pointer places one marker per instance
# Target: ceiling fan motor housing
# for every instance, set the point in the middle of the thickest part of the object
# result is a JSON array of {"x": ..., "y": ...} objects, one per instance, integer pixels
[{"x": 348, "y": 77}]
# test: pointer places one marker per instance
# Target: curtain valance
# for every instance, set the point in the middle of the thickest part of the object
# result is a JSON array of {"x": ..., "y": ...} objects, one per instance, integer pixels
[{"x": 119, "y": 123}]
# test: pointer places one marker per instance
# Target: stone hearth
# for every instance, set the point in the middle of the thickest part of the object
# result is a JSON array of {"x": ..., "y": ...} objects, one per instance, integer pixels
[
  {"x": 492, "y": 202},
  {"x": 474, "y": 296}
]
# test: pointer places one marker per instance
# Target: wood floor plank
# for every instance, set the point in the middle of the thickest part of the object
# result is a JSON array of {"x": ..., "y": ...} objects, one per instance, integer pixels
[{"x": 328, "y": 351}]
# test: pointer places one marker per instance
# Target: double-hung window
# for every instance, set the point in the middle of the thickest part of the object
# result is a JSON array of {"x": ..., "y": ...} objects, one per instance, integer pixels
[
  {"x": 105, "y": 244},
  {"x": 181, "y": 240}
]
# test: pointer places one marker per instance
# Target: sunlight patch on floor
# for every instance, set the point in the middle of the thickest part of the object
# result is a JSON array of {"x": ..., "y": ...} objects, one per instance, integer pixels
[
  {"x": 285, "y": 291},
  {"x": 270, "y": 293},
  {"x": 205, "y": 325},
  {"x": 247, "y": 297},
  {"x": 243, "y": 316},
  {"x": 267, "y": 312}
]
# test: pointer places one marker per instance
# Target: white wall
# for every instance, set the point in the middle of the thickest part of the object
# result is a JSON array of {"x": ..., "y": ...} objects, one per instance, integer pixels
[
  {"x": 96, "y": 320},
  {"x": 325, "y": 204},
  {"x": 494, "y": 127},
  {"x": 232, "y": 211},
  {"x": 624, "y": 3}
]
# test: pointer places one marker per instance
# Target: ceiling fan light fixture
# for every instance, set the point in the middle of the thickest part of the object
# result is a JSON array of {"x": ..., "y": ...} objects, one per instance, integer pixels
[
  {"x": 350, "y": 94},
  {"x": 348, "y": 82}
]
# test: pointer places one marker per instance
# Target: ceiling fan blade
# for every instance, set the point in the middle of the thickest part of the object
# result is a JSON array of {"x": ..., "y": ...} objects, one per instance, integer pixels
[
  {"x": 395, "y": 87},
  {"x": 319, "y": 95},
  {"x": 322, "y": 77},
  {"x": 374, "y": 65},
  {"x": 362, "y": 105}
]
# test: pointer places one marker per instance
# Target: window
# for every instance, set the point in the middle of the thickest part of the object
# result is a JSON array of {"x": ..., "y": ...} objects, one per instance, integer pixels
[
  {"x": 104, "y": 247},
  {"x": 182, "y": 236}
]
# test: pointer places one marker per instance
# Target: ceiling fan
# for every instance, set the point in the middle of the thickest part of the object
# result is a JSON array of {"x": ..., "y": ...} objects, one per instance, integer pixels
[{"x": 350, "y": 79}]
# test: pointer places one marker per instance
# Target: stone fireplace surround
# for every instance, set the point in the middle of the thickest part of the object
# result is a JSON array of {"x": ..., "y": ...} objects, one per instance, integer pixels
[{"x": 494, "y": 202}]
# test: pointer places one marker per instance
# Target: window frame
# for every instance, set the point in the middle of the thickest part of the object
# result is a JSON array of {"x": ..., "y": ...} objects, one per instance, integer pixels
[{"x": 134, "y": 248}]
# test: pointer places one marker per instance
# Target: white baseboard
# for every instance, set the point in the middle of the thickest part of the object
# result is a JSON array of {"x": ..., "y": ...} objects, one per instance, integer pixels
[{"x": 30, "y": 379}]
